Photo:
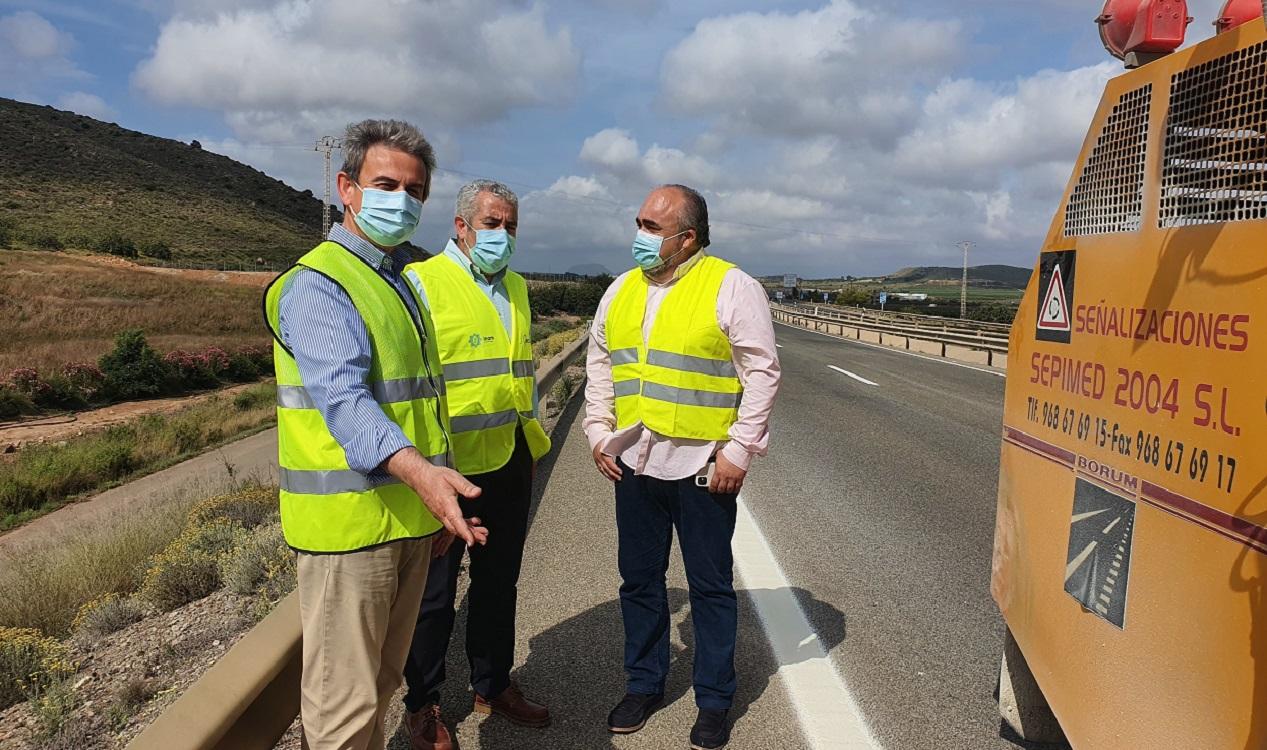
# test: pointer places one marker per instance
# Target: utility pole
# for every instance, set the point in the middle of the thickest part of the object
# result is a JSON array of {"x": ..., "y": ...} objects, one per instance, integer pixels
[
  {"x": 963, "y": 290},
  {"x": 327, "y": 144}
]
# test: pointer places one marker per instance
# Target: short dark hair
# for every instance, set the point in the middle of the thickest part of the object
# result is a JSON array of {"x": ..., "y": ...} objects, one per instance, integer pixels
[
  {"x": 395, "y": 134},
  {"x": 694, "y": 213}
]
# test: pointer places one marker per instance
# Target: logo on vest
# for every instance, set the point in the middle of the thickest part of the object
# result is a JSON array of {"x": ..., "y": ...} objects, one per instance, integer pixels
[{"x": 475, "y": 340}]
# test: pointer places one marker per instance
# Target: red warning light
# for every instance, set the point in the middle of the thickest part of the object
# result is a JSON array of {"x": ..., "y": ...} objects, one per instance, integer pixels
[
  {"x": 1237, "y": 12},
  {"x": 1145, "y": 28}
]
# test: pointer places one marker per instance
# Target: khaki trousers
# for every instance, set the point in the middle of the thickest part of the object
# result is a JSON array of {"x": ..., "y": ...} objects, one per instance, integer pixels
[{"x": 358, "y": 611}]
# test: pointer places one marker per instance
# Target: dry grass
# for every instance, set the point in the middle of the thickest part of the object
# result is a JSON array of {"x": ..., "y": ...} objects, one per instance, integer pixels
[
  {"x": 44, "y": 477},
  {"x": 61, "y": 307}
]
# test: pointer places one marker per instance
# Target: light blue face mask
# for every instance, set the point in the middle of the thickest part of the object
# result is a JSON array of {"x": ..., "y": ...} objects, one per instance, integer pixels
[
  {"x": 492, "y": 250},
  {"x": 388, "y": 218},
  {"x": 646, "y": 250}
]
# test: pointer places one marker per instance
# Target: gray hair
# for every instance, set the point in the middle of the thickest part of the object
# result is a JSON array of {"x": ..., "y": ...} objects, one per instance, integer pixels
[
  {"x": 395, "y": 134},
  {"x": 465, "y": 204},
  {"x": 694, "y": 213}
]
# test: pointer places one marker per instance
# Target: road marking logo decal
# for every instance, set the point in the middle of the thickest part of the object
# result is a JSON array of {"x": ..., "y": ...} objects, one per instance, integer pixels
[
  {"x": 1056, "y": 281},
  {"x": 1098, "y": 566}
]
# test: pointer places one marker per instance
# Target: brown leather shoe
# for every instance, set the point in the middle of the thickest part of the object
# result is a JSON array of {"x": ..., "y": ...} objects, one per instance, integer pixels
[
  {"x": 514, "y": 706},
  {"x": 427, "y": 730}
]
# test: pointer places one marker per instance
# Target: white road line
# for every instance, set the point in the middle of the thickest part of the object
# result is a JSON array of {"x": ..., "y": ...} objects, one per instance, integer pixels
[
  {"x": 1116, "y": 521},
  {"x": 829, "y": 715},
  {"x": 858, "y": 378},
  {"x": 1085, "y": 516},
  {"x": 779, "y": 345},
  {"x": 895, "y": 351},
  {"x": 1078, "y": 561}
]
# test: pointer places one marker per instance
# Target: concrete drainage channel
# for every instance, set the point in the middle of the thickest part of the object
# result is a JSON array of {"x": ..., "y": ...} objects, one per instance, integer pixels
[
  {"x": 250, "y": 697},
  {"x": 932, "y": 338}
]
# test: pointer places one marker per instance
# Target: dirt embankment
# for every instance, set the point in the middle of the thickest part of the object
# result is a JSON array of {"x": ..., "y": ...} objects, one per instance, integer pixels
[{"x": 52, "y": 429}]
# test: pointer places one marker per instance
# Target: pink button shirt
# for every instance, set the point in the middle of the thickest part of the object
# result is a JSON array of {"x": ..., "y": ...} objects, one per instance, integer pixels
[{"x": 743, "y": 311}]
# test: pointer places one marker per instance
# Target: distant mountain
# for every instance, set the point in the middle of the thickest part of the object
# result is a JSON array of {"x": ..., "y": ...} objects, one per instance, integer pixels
[
  {"x": 71, "y": 180},
  {"x": 1008, "y": 277},
  {"x": 589, "y": 269}
]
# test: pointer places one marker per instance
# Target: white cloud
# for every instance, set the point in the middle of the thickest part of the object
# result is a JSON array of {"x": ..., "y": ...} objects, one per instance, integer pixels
[
  {"x": 612, "y": 149},
  {"x": 294, "y": 69},
  {"x": 34, "y": 51},
  {"x": 87, "y": 104},
  {"x": 970, "y": 131},
  {"x": 615, "y": 152},
  {"x": 838, "y": 70}
]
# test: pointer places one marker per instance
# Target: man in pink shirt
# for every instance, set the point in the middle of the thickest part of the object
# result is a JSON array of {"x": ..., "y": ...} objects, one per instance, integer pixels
[{"x": 683, "y": 372}]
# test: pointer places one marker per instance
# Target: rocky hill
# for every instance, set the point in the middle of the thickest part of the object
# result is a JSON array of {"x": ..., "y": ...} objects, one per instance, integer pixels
[{"x": 69, "y": 181}]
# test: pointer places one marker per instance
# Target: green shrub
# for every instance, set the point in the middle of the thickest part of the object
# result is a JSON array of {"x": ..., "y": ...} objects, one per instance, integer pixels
[
  {"x": 539, "y": 331},
  {"x": 559, "y": 325},
  {"x": 116, "y": 244},
  {"x": 242, "y": 368},
  {"x": 30, "y": 663},
  {"x": 6, "y": 233},
  {"x": 556, "y": 343},
  {"x": 158, "y": 250},
  {"x": 60, "y": 393},
  {"x": 134, "y": 370},
  {"x": 177, "y": 577},
  {"x": 263, "y": 564},
  {"x": 14, "y": 404},
  {"x": 46, "y": 241},
  {"x": 107, "y": 614},
  {"x": 246, "y": 508}
]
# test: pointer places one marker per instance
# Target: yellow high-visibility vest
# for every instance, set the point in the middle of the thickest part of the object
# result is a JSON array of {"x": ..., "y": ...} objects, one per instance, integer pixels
[
  {"x": 325, "y": 505},
  {"x": 681, "y": 381},
  {"x": 489, "y": 374}
]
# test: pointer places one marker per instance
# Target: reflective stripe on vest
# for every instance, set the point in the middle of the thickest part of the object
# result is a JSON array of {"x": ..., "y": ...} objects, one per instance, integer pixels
[
  {"x": 489, "y": 373},
  {"x": 680, "y": 381},
  {"x": 325, "y": 505}
]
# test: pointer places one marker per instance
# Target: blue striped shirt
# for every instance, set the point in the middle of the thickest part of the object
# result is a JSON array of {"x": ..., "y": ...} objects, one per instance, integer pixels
[
  {"x": 493, "y": 287},
  {"x": 321, "y": 326}
]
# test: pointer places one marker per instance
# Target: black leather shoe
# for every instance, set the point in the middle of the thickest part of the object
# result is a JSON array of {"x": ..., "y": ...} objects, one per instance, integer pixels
[
  {"x": 711, "y": 730},
  {"x": 632, "y": 712}
]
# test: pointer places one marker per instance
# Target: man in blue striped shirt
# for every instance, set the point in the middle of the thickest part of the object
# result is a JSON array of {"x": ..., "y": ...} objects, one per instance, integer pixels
[{"x": 358, "y": 607}]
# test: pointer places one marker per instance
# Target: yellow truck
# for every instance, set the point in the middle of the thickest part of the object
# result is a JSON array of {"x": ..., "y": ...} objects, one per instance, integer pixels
[{"x": 1130, "y": 558}]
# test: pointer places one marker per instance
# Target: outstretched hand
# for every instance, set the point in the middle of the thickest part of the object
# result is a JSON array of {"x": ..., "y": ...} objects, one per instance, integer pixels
[
  {"x": 439, "y": 490},
  {"x": 439, "y": 487}
]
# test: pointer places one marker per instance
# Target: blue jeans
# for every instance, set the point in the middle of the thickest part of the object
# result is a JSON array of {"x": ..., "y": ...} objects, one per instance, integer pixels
[{"x": 647, "y": 512}]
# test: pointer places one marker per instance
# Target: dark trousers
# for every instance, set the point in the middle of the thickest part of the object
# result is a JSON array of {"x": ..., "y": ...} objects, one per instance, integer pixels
[
  {"x": 647, "y": 512},
  {"x": 494, "y": 571}
]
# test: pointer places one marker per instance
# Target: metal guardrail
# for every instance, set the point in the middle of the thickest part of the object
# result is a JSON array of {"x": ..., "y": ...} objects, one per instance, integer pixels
[
  {"x": 250, "y": 697},
  {"x": 930, "y": 322},
  {"x": 984, "y": 348}
]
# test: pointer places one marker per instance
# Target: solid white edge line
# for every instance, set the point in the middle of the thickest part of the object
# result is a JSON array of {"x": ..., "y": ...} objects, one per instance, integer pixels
[
  {"x": 858, "y": 378},
  {"x": 891, "y": 349},
  {"x": 829, "y": 715}
]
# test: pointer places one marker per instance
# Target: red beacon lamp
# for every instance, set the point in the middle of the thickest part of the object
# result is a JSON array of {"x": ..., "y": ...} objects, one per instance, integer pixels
[
  {"x": 1238, "y": 12},
  {"x": 1140, "y": 31}
]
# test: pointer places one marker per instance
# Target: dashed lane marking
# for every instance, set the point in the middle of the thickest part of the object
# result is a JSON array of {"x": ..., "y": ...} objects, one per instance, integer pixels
[
  {"x": 858, "y": 378},
  {"x": 829, "y": 715}
]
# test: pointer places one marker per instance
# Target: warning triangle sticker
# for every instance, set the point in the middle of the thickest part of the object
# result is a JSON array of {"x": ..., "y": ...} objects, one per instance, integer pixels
[{"x": 1055, "y": 310}]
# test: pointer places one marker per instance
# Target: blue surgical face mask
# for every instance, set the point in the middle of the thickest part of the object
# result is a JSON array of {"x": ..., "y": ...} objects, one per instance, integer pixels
[
  {"x": 388, "y": 218},
  {"x": 492, "y": 250},
  {"x": 646, "y": 250}
]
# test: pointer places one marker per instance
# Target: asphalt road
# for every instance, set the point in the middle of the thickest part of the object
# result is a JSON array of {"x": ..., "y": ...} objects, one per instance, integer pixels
[{"x": 878, "y": 503}]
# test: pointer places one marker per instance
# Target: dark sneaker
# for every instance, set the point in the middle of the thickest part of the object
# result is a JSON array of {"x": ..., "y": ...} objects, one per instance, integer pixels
[
  {"x": 632, "y": 712},
  {"x": 711, "y": 730}
]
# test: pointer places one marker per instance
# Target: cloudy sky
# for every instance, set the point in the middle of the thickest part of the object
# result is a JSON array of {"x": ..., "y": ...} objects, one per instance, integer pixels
[{"x": 830, "y": 137}]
